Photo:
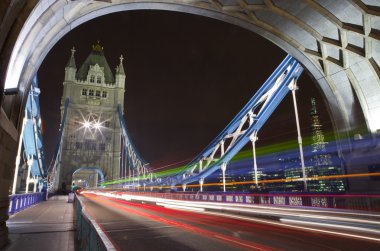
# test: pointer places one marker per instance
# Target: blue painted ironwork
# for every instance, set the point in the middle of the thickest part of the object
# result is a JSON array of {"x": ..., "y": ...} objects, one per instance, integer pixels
[
  {"x": 53, "y": 167},
  {"x": 265, "y": 101},
  {"x": 19, "y": 202},
  {"x": 32, "y": 134},
  {"x": 242, "y": 128},
  {"x": 135, "y": 161}
]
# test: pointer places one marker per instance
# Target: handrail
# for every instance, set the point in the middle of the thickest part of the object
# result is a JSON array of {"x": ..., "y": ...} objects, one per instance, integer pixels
[{"x": 19, "y": 202}]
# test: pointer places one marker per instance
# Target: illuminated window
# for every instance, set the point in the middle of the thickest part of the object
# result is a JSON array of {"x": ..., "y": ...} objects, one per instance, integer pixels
[
  {"x": 104, "y": 94},
  {"x": 84, "y": 92},
  {"x": 98, "y": 79},
  {"x": 92, "y": 78},
  {"x": 97, "y": 93},
  {"x": 91, "y": 92}
]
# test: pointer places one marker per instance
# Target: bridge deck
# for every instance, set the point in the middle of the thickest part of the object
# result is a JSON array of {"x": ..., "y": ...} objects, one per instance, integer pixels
[{"x": 47, "y": 226}]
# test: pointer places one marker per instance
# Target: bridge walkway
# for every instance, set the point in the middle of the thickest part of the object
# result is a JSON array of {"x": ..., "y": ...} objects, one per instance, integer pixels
[{"x": 47, "y": 226}]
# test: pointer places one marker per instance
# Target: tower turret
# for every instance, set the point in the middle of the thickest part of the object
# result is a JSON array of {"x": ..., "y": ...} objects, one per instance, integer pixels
[
  {"x": 71, "y": 68},
  {"x": 120, "y": 74}
]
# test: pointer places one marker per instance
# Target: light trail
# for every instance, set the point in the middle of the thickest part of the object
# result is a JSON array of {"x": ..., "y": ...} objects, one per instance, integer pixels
[
  {"x": 270, "y": 211},
  {"x": 297, "y": 227},
  {"x": 193, "y": 209},
  {"x": 183, "y": 226},
  {"x": 281, "y": 212},
  {"x": 202, "y": 221},
  {"x": 241, "y": 156},
  {"x": 341, "y": 176},
  {"x": 336, "y": 222},
  {"x": 172, "y": 164},
  {"x": 330, "y": 225}
]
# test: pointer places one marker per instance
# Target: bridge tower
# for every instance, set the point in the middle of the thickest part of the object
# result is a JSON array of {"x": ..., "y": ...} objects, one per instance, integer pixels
[{"x": 91, "y": 135}]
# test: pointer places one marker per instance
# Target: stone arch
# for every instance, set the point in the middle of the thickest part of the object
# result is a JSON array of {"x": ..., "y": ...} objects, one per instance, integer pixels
[
  {"x": 98, "y": 170},
  {"x": 337, "y": 42}
]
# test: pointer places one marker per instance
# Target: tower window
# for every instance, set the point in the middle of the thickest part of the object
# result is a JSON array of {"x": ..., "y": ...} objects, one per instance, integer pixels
[
  {"x": 102, "y": 146},
  {"x": 78, "y": 145},
  {"x": 90, "y": 145},
  {"x": 97, "y": 93},
  {"x": 98, "y": 79},
  {"x": 92, "y": 78},
  {"x": 84, "y": 92},
  {"x": 91, "y": 92},
  {"x": 104, "y": 94},
  {"x": 107, "y": 124}
]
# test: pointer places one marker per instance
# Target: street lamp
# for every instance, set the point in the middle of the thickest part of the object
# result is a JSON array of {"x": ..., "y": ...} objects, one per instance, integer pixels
[
  {"x": 97, "y": 125},
  {"x": 87, "y": 124}
]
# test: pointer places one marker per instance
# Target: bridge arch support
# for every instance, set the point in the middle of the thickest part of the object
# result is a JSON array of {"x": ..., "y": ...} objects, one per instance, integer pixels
[
  {"x": 87, "y": 176},
  {"x": 342, "y": 54}
]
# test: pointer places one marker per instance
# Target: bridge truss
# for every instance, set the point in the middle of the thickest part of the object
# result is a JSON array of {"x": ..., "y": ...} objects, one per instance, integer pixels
[
  {"x": 239, "y": 132},
  {"x": 133, "y": 166},
  {"x": 31, "y": 143},
  {"x": 242, "y": 129}
]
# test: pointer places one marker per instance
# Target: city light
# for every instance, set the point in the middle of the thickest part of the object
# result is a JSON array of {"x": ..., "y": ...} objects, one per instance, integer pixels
[{"x": 87, "y": 124}]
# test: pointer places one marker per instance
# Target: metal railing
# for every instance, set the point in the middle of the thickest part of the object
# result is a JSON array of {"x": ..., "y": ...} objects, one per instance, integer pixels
[
  {"x": 363, "y": 202},
  {"x": 89, "y": 234},
  {"x": 19, "y": 202}
]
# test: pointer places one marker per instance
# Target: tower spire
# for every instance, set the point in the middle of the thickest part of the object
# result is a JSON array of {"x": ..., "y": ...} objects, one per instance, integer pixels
[
  {"x": 120, "y": 67},
  {"x": 71, "y": 67},
  {"x": 71, "y": 62}
]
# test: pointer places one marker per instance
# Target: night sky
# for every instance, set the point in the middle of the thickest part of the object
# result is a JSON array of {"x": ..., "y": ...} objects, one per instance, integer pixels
[{"x": 186, "y": 77}]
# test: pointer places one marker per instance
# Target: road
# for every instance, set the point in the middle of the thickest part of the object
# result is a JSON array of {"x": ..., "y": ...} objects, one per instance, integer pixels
[{"x": 141, "y": 226}]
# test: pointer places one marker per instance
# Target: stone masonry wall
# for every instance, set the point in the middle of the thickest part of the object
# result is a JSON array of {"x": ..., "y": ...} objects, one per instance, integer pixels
[{"x": 8, "y": 151}]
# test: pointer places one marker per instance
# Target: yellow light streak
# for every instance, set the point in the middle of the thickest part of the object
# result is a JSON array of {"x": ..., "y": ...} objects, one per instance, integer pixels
[{"x": 339, "y": 176}]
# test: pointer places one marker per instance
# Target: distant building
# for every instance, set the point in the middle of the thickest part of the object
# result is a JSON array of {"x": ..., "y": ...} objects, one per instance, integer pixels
[
  {"x": 229, "y": 180},
  {"x": 320, "y": 163},
  {"x": 322, "y": 160},
  {"x": 320, "y": 155},
  {"x": 92, "y": 133}
]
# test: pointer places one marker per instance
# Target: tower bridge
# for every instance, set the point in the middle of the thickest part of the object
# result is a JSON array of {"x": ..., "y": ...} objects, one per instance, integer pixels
[
  {"x": 94, "y": 144},
  {"x": 337, "y": 42}
]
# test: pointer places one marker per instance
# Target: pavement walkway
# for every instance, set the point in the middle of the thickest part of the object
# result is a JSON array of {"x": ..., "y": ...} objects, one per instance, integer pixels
[{"x": 48, "y": 225}]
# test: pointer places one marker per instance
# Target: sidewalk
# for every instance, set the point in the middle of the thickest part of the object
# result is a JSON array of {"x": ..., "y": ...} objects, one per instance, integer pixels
[{"x": 46, "y": 226}]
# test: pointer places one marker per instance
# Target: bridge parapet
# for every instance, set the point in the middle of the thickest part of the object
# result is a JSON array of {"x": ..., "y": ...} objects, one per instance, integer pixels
[
  {"x": 89, "y": 233},
  {"x": 19, "y": 202}
]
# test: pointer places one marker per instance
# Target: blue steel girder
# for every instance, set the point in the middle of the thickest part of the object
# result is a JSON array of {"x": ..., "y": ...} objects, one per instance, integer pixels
[
  {"x": 135, "y": 160},
  {"x": 56, "y": 160},
  {"x": 58, "y": 149},
  {"x": 243, "y": 127},
  {"x": 32, "y": 132}
]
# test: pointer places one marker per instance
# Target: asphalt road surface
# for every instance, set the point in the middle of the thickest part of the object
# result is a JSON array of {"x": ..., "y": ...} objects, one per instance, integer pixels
[{"x": 136, "y": 226}]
